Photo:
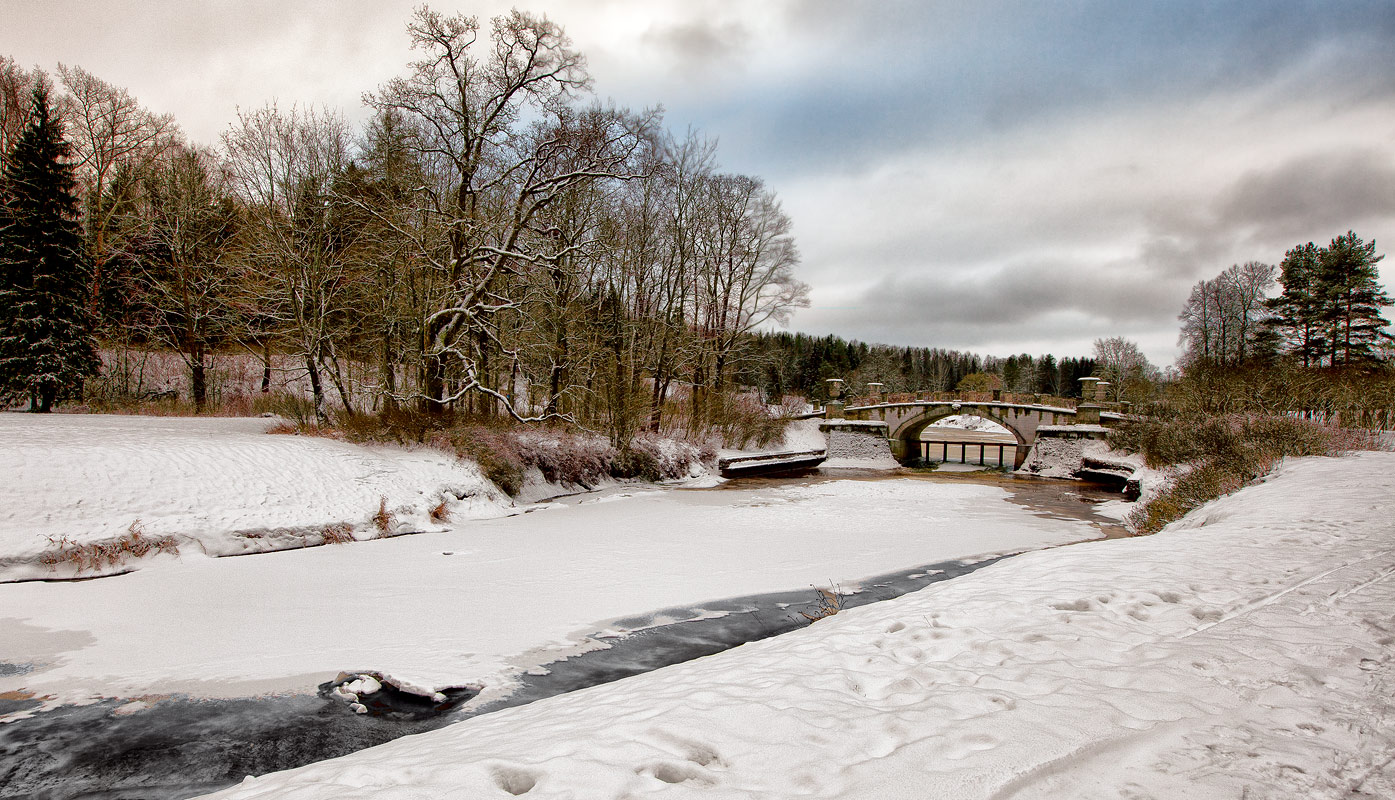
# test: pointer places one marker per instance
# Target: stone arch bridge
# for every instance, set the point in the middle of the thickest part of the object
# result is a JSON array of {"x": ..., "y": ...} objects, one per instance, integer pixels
[
  {"x": 906, "y": 421},
  {"x": 901, "y": 423}
]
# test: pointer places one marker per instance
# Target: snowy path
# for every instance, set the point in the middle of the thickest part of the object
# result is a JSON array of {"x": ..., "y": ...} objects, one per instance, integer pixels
[{"x": 1248, "y": 652}]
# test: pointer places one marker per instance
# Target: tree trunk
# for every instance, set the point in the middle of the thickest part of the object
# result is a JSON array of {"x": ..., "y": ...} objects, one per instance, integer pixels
[
  {"x": 47, "y": 394},
  {"x": 389, "y": 373},
  {"x": 316, "y": 389},
  {"x": 433, "y": 382},
  {"x": 198, "y": 380},
  {"x": 266, "y": 366}
]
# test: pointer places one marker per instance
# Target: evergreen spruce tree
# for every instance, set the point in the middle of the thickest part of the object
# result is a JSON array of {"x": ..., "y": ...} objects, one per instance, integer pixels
[{"x": 46, "y": 343}]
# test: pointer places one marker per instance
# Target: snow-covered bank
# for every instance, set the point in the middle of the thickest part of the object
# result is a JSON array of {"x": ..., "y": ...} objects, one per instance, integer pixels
[
  {"x": 219, "y": 486},
  {"x": 1243, "y": 652}
]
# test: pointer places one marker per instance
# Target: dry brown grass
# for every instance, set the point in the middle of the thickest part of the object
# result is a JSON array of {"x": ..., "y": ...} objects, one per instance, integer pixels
[
  {"x": 106, "y": 553},
  {"x": 339, "y": 533},
  {"x": 1217, "y": 455},
  {"x": 441, "y": 512},
  {"x": 828, "y": 602},
  {"x": 505, "y": 450},
  {"x": 383, "y": 519}
]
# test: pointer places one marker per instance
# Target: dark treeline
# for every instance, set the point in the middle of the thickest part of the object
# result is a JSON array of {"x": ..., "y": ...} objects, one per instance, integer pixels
[{"x": 780, "y": 364}]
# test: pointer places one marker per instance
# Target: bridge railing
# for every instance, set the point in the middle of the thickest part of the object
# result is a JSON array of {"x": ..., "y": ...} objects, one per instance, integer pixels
[{"x": 1018, "y": 398}]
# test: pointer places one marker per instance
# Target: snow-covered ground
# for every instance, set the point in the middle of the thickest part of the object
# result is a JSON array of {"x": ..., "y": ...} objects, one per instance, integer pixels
[
  {"x": 1247, "y": 651},
  {"x": 487, "y": 598},
  {"x": 220, "y": 486}
]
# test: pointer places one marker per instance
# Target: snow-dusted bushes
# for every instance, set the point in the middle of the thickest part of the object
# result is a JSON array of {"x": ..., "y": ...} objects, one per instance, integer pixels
[
  {"x": 1212, "y": 456},
  {"x": 743, "y": 421},
  {"x": 654, "y": 458},
  {"x": 506, "y": 452}
]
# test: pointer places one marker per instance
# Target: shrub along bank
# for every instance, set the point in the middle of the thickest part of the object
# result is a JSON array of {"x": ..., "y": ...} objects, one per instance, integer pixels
[
  {"x": 1213, "y": 455},
  {"x": 506, "y": 451}
]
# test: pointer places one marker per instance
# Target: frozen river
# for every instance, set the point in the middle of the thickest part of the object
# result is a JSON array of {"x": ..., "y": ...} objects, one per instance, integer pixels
[{"x": 177, "y": 647}]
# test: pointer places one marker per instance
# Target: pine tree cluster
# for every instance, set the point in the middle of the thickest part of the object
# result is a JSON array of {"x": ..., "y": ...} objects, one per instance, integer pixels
[{"x": 1330, "y": 309}]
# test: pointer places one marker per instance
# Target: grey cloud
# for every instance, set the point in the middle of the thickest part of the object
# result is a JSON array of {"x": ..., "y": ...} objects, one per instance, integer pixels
[
  {"x": 1336, "y": 190},
  {"x": 906, "y": 74},
  {"x": 700, "y": 41},
  {"x": 1033, "y": 308},
  {"x": 1021, "y": 294},
  {"x": 1268, "y": 210}
]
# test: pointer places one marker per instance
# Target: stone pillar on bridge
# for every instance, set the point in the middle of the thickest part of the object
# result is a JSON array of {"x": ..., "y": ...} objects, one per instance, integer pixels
[
  {"x": 834, "y": 408},
  {"x": 878, "y": 390},
  {"x": 1088, "y": 411}
]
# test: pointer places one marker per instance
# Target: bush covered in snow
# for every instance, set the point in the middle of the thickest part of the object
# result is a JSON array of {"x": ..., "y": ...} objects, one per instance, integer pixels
[
  {"x": 506, "y": 452},
  {"x": 743, "y": 421},
  {"x": 1212, "y": 456}
]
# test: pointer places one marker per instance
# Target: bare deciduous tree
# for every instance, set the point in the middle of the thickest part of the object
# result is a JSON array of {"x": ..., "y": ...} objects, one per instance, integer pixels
[
  {"x": 1119, "y": 361},
  {"x": 110, "y": 131},
  {"x": 1223, "y": 317},
  {"x": 466, "y": 100},
  {"x": 283, "y": 166},
  {"x": 16, "y": 84},
  {"x": 184, "y": 261}
]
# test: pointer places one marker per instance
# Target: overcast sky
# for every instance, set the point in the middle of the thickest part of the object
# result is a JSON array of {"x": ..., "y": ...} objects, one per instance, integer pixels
[{"x": 998, "y": 177}]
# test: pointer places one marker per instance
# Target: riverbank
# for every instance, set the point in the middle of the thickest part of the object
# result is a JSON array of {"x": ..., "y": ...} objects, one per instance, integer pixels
[
  {"x": 1244, "y": 651},
  {"x": 89, "y": 495}
]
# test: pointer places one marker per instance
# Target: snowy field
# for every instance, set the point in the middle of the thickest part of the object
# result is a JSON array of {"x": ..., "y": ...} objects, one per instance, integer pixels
[
  {"x": 473, "y": 603},
  {"x": 220, "y": 486},
  {"x": 1247, "y": 651}
]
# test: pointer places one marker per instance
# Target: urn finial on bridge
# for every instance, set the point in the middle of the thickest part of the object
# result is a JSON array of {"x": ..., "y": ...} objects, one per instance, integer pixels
[
  {"x": 834, "y": 408},
  {"x": 1087, "y": 412}
]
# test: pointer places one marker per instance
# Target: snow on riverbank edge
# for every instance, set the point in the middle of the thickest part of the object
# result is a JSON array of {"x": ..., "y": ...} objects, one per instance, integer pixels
[
  {"x": 1243, "y": 651},
  {"x": 96, "y": 495}
]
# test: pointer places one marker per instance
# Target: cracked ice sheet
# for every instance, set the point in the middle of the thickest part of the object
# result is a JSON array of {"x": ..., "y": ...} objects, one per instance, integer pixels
[
  {"x": 489, "y": 598},
  {"x": 1244, "y": 652}
]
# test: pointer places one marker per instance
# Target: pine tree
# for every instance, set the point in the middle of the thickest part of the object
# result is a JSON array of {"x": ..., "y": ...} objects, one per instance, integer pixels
[
  {"x": 1353, "y": 299},
  {"x": 46, "y": 343},
  {"x": 1331, "y": 303},
  {"x": 1298, "y": 311}
]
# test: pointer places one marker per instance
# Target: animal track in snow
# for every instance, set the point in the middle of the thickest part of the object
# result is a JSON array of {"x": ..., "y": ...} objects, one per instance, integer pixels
[{"x": 514, "y": 780}]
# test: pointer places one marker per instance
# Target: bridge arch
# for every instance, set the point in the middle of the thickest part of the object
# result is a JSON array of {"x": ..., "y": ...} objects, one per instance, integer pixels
[{"x": 911, "y": 429}]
